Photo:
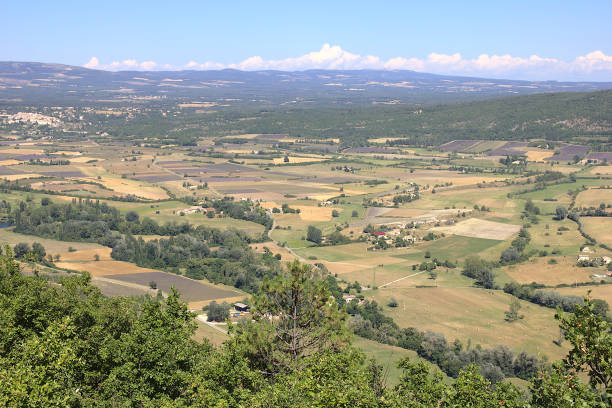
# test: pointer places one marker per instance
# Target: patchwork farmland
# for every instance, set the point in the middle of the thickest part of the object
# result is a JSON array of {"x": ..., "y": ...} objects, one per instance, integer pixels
[{"x": 391, "y": 225}]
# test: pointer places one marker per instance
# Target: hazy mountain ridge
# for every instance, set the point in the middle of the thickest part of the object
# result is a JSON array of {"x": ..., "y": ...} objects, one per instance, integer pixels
[{"x": 32, "y": 82}]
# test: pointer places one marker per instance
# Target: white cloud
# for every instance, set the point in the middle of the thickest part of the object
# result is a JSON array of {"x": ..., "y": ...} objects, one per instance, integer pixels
[
  {"x": 593, "y": 66},
  {"x": 148, "y": 65},
  {"x": 93, "y": 63}
]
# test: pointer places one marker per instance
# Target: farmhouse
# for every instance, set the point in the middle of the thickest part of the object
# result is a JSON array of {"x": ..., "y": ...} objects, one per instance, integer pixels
[
  {"x": 409, "y": 238},
  {"x": 191, "y": 210},
  {"x": 583, "y": 257}
]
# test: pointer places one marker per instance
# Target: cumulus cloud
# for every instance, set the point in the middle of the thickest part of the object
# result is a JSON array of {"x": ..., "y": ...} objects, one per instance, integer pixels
[
  {"x": 93, "y": 63},
  {"x": 593, "y": 66}
]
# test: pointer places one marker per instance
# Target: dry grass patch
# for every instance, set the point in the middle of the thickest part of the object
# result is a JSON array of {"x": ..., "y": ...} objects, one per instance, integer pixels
[
  {"x": 127, "y": 186},
  {"x": 295, "y": 159},
  {"x": 86, "y": 255},
  {"x": 83, "y": 159},
  {"x": 599, "y": 228},
  {"x": 601, "y": 170},
  {"x": 21, "y": 151},
  {"x": 538, "y": 155},
  {"x": 540, "y": 271},
  {"x": 10, "y": 162},
  {"x": 286, "y": 256},
  {"x": 199, "y": 304},
  {"x": 310, "y": 213},
  {"x": 476, "y": 314},
  {"x": 204, "y": 331},
  {"x": 52, "y": 246},
  {"x": 597, "y": 292},
  {"x": 593, "y": 197},
  {"x": 13, "y": 177},
  {"x": 103, "y": 268},
  {"x": 478, "y": 228}
]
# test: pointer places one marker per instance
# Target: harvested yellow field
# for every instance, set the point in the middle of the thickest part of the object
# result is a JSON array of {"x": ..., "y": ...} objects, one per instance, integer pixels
[
  {"x": 323, "y": 196},
  {"x": 13, "y": 177},
  {"x": 237, "y": 151},
  {"x": 286, "y": 256},
  {"x": 198, "y": 305},
  {"x": 593, "y": 197},
  {"x": 309, "y": 213},
  {"x": 601, "y": 170},
  {"x": 127, "y": 186},
  {"x": 83, "y": 159},
  {"x": 599, "y": 228},
  {"x": 21, "y": 151},
  {"x": 538, "y": 155},
  {"x": 86, "y": 255},
  {"x": 102, "y": 268},
  {"x": 295, "y": 159},
  {"x": 10, "y": 162},
  {"x": 597, "y": 292},
  {"x": 478, "y": 228}
]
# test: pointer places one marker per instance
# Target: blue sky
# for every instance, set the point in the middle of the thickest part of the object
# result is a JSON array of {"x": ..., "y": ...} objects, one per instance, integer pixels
[{"x": 436, "y": 36}]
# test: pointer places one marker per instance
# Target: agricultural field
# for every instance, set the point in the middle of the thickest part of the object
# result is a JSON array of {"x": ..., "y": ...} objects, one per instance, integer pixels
[
  {"x": 470, "y": 313},
  {"x": 594, "y": 197},
  {"x": 599, "y": 227},
  {"x": 386, "y": 214}
]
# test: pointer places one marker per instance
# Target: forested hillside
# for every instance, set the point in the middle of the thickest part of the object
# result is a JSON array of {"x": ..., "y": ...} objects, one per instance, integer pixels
[
  {"x": 579, "y": 117},
  {"x": 66, "y": 345}
]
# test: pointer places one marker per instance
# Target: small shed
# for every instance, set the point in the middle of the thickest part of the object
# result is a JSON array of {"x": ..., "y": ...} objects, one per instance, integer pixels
[{"x": 241, "y": 307}]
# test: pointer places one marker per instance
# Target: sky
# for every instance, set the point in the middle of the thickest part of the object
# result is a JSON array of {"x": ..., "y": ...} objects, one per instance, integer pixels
[{"x": 538, "y": 40}]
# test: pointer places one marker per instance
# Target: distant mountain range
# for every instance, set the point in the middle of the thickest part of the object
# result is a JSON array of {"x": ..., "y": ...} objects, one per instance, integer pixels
[{"x": 34, "y": 83}]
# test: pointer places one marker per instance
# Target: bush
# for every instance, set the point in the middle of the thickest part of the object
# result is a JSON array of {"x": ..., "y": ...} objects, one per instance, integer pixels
[
  {"x": 218, "y": 312},
  {"x": 21, "y": 249},
  {"x": 314, "y": 234},
  {"x": 132, "y": 216},
  {"x": 392, "y": 302}
]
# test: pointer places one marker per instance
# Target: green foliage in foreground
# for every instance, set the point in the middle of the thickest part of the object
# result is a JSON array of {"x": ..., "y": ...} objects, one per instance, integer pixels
[{"x": 68, "y": 346}]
